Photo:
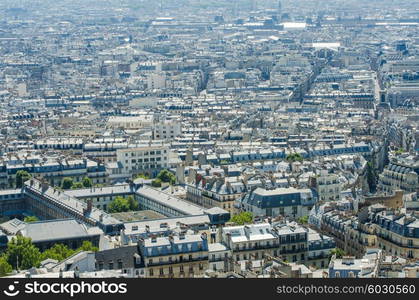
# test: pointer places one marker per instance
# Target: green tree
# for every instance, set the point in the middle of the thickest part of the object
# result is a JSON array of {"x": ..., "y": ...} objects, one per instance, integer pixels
[
  {"x": 143, "y": 176},
  {"x": 77, "y": 185},
  {"x": 119, "y": 204},
  {"x": 156, "y": 182},
  {"x": 30, "y": 219},
  {"x": 58, "y": 252},
  {"x": 400, "y": 151},
  {"x": 133, "y": 204},
  {"x": 5, "y": 267},
  {"x": 166, "y": 176},
  {"x": 22, "y": 254},
  {"x": 303, "y": 220},
  {"x": 88, "y": 246},
  {"x": 339, "y": 252},
  {"x": 21, "y": 177},
  {"x": 87, "y": 182},
  {"x": 67, "y": 183},
  {"x": 242, "y": 218},
  {"x": 293, "y": 157}
]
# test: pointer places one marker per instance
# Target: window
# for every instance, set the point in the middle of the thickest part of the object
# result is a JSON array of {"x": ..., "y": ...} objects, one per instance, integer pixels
[
  {"x": 161, "y": 271},
  {"x": 151, "y": 272},
  {"x": 337, "y": 274}
]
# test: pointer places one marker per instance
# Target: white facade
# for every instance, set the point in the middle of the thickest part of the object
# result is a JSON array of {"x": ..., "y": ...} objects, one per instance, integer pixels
[
  {"x": 143, "y": 159},
  {"x": 130, "y": 122},
  {"x": 328, "y": 187},
  {"x": 167, "y": 130}
]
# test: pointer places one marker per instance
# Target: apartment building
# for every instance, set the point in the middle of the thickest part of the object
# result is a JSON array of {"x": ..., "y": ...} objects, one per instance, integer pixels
[
  {"x": 175, "y": 256},
  {"x": 254, "y": 242},
  {"x": 402, "y": 173},
  {"x": 167, "y": 130},
  {"x": 397, "y": 233},
  {"x": 214, "y": 191},
  {"x": 146, "y": 160},
  {"x": 328, "y": 187},
  {"x": 51, "y": 169},
  {"x": 288, "y": 202}
]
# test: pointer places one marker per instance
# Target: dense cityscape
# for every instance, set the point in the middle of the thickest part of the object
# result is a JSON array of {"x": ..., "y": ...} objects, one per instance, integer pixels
[{"x": 209, "y": 139}]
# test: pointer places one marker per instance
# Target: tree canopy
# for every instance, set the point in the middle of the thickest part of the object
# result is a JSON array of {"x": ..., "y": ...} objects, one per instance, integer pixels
[
  {"x": 22, "y": 254},
  {"x": 339, "y": 252},
  {"x": 5, "y": 267},
  {"x": 67, "y": 183},
  {"x": 87, "y": 246},
  {"x": 293, "y": 157},
  {"x": 242, "y": 218},
  {"x": 21, "y": 177},
  {"x": 87, "y": 182},
  {"x": 30, "y": 219},
  {"x": 166, "y": 176},
  {"x": 303, "y": 220},
  {"x": 156, "y": 183},
  {"x": 77, "y": 185},
  {"x": 58, "y": 252},
  {"x": 143, "y": 176},
  {"x": 121, "y": 204}
]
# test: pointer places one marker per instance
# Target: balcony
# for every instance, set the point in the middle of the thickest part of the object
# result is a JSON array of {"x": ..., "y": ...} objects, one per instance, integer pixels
[
  {"x": 290, "y": 251},
  {"x": 177, "y": 261},
  {"x": 258, "y": 247},
  {"x": 292, "y": 241}
]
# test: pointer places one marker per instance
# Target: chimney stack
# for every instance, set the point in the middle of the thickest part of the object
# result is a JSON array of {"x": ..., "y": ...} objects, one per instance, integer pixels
[{"x": 89, "y": 207}]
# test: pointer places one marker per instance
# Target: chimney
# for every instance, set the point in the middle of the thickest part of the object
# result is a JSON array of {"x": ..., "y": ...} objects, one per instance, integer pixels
[
  {"x": 44, "y": 186},
  {"x": 89, "y": 207}
]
